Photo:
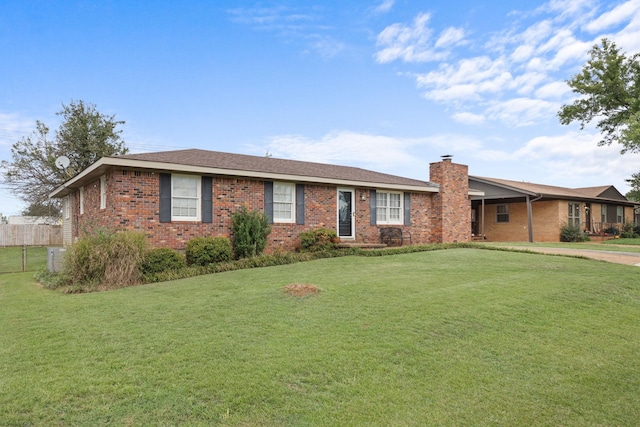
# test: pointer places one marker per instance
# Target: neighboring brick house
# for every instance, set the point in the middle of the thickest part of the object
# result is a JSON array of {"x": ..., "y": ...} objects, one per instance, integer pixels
[
  {"x": 511, "y": 211},
  {"x": 174, "y": 196}
]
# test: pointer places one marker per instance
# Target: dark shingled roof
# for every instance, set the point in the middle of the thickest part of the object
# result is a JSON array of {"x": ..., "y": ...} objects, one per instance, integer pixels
[
  {"x": 242, "y": 162},
  {"x": 607, "y": 192}
]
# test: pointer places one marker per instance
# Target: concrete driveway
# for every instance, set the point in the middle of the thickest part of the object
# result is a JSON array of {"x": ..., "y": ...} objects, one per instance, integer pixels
[{"x": 628, "y": 258}]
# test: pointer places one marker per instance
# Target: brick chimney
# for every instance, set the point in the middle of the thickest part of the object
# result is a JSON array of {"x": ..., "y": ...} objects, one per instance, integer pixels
[{"x": 451, "y": 213}]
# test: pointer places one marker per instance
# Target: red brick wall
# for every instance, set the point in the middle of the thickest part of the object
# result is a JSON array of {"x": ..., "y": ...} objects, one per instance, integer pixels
[
  {"x": 451, "y": 213},
  {"x": 133, "y": 204}
]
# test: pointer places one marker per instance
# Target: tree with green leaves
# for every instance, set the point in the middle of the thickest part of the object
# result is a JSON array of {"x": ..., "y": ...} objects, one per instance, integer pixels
[
  {"x": 634, "y": 183},
  {"x": 609, "y": 85},
  {"x": 84, "y": 136}
]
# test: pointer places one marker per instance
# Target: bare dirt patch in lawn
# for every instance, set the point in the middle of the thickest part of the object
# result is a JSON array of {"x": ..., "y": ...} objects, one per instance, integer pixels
[{"x": 300, "y": 289}]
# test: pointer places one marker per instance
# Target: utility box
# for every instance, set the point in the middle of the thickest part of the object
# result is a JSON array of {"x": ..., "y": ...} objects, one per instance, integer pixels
[{"x": 55, "y": 259}]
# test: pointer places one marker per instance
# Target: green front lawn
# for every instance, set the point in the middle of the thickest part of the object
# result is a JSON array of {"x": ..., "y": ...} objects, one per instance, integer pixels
[{"x": 452, "y": 337}]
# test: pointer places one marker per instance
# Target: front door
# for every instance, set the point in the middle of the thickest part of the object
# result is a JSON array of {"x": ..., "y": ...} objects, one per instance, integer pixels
[{"x": 345, "y": 213}]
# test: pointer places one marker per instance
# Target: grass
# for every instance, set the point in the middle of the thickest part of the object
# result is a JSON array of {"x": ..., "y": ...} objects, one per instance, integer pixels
[
  {"x": 630, "y": 242},
  {"x": 11, "y": 259},
  {"x": 456, "y": 337}
]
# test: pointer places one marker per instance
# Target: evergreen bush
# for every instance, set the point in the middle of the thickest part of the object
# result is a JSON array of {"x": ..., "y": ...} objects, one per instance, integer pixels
[
  {"x": 320, "y": 239},
  {"x": 208, "y": 250},
  {"x": 628, "y": 231},
  {"x": 158, "y": 260},
  {"x": 250, "y": 232},
  {"x": 571, "y": 233}
]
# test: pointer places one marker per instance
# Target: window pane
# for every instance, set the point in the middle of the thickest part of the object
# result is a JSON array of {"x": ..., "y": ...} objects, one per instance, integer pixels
[
  {"x": 394, "y": 200},
  {"x": 185, "y": 207},
  {"x": 381, "y": 199},
  {"x": 381, "y": 214},
  {"x": 282, "y": 210},
  {"x": 185, "y": 187},
  {"x": 283, "y": 193}
]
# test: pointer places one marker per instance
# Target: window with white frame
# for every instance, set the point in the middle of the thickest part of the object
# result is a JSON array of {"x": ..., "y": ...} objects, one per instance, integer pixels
[
  {"x": 574, "y": 214},
  {"x": 502, "y": 213},
  {"x": 388, "y": 207},
  {"x": 103, "y": 192},
  {"x": 619, "y": 214},
  {"x": 284, "y": 202},
  {"x": 81, "y": 200},
  {"x": 185, "y": 198},
  {"x": 603, "y": 213}
]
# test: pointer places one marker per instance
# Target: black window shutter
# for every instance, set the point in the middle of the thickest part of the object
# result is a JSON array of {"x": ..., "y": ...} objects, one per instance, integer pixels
[
  {"x": 407, "y": 208},
  {"x": 268, "y": 200},
  {"x": 207, "y": 199},
  {"x": 165, "y": 197},
  {"x": 300, "y": 204},
  {"x": 372, "y": 207}
]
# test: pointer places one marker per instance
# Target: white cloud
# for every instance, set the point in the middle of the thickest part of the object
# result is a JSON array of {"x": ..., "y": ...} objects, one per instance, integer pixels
[
  {"x": 616, "y": 16},
  {"x": 527, "y": 83},
  {"x": 396, "y": 155},
  {"x": 520, "y": 112},
  {"x": 571, "y": 9},
  {"x": 385, "y": 6},
  {"x": 467, "y": 80},
  {"x": 450, "y": 37},
  {"x": 412, "y": 43},
  {"x": 344, "y": 146},
  {"x": 574, "y": 159},
  {"x": 522, "y": 69},
  {"x": 468, "y": 118},
  {"x": 553, "y": 90}
]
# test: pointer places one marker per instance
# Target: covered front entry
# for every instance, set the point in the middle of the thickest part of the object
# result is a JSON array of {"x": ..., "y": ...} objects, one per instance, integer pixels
[{"x": 346, "y": 217}]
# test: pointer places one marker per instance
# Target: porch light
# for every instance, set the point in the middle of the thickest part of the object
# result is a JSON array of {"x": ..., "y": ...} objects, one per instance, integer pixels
[{"x": 363, "y": 196}]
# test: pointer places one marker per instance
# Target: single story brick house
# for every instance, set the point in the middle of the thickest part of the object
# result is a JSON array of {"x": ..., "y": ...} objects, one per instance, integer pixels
[
  {"x": 173, "y": 196},
  {"x": 511, "y": 211}
]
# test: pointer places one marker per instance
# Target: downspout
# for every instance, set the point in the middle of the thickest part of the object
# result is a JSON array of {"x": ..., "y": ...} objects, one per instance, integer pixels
[
  {"x": 530, "y": 216},
  {"x": 482, "y": 232}
]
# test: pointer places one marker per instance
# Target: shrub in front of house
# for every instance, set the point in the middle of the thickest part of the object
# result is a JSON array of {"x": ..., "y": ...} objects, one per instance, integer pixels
[
  {"x": 250, "y": 232},
  {"x": 629, "y": 231},
  {"x": 320, "y": 239},
  {"x": 208, "y": 250},
  {"x": 571, "y": 233},
  {"x": 105, "y": 259},
  {"x": 158, "y": 260}
]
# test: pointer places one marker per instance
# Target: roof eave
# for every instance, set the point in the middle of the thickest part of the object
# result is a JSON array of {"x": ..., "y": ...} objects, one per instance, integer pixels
[{"x": 99, "y": 167}]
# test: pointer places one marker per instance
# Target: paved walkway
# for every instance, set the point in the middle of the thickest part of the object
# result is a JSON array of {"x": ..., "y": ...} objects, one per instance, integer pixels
[{"x": 628, "y": 258}]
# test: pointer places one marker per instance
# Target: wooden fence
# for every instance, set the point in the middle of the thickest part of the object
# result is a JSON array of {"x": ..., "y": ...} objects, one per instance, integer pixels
[{"x": 30, "y": 235}]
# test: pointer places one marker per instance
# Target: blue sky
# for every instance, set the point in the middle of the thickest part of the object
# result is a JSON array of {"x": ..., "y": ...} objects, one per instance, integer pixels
[{"x": 384, "y": 85}]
